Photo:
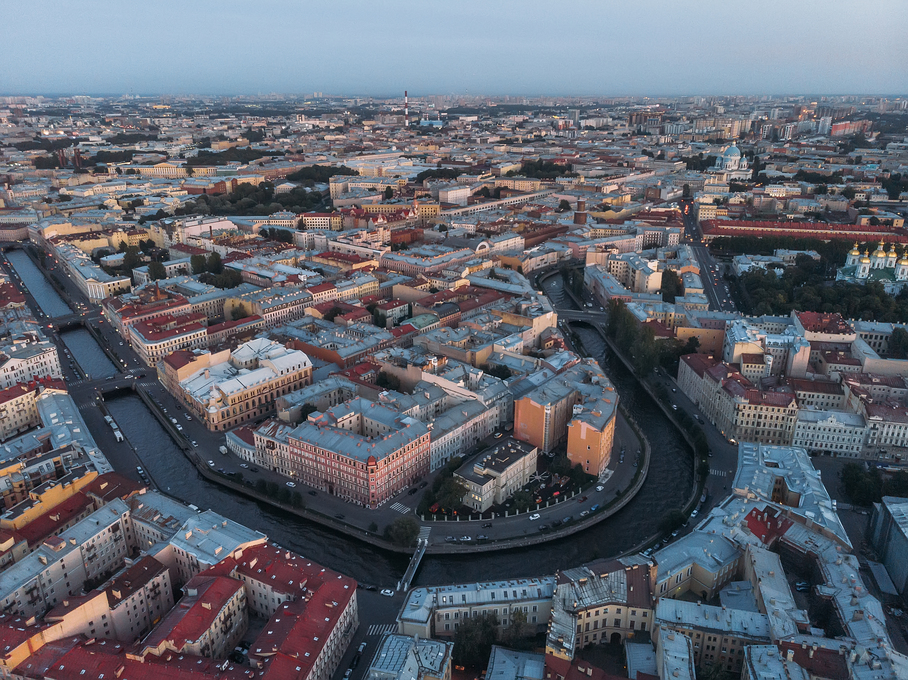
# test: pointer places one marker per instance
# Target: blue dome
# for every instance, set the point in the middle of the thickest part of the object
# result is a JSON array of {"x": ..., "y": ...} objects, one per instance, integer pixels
[{"x": 732, "y": 152}]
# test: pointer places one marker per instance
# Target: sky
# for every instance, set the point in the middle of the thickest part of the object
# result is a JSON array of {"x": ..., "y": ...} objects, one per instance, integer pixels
[{"x": 473, "y": 47}]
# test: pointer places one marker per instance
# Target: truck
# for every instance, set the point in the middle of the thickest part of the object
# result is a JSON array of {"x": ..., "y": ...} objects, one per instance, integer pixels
[
  {"x": 109, "y": 420},
  {"x": 118, "y": 435},
  {"x": 223, "y": 449}
]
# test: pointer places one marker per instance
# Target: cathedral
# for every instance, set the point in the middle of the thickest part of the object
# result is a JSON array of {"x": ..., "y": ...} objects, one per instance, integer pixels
[
  {"x": 886, "y": 268},
  {"x": 732, "y": 164}
]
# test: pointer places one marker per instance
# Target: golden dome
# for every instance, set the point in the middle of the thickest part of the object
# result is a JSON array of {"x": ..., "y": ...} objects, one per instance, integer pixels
[
  {"x": 855, "y": 251},
  {"x": 879, "y": 252},
  {"x": 865, "y": 260}
]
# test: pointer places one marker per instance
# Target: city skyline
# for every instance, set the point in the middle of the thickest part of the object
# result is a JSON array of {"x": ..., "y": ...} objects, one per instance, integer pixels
[{"x": 516, "y": 49}]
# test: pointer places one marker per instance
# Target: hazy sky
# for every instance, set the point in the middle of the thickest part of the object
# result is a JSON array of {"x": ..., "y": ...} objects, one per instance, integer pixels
[{"x": 381, "y": 47}]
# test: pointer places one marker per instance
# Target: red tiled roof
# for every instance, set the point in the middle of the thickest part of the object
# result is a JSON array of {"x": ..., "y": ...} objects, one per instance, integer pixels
[
  {"x": 194, "y": 614},
  {"x": 699, "y": 363},
  {"x": 60, "y": 515},
  {"x": 767, "y": 524}
]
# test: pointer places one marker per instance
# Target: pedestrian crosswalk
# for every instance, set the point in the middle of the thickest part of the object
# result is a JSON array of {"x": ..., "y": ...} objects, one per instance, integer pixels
[
  {"x": 85, "y": 403},
  {"x": 379, "y": 628},
  {"x": 424, "y": 533},
  {"x": 401, "y": 508},
  {"x": 718, "y": 473}
]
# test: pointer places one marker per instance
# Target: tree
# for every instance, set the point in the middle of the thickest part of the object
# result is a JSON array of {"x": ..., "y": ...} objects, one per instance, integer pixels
[
  {"x": 499, "y": 371},
  {"x": 474, "y": 638},
  {"x": 564, "y": 205},
  {"x": 131, "y": 259},
  {"x": 306, "y": 409},
  {"x": 388, "y": 381},
  {"x": 898, "y": 343},
  {"x": 214, "y": 265},
  {"x": 849, "y": 193},
  {"x": 373, "y": 527},
  {"x": 685, "y": 191},
  {"x": 673, "y": 519},
  {"x": 389, "y": 193},
  {"x": 239, "y": 312},
  {"x": 197, "y": 262},
  {"x": 403, "y": 531},
  {"x": 671, "y": 286},
  {"x": 519, "y": 633},
  {"x": 333, "y": 313},
  {"x": 156, "y": 271},
  {"x": 450, "y": 494}
]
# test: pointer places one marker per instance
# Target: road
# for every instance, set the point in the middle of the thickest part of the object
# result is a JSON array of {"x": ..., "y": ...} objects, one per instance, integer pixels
[{"x": 714, "y": 286}]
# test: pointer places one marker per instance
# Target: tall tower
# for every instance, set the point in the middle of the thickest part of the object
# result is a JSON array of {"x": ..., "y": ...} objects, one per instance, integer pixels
[{"x": 406, "y": 110}]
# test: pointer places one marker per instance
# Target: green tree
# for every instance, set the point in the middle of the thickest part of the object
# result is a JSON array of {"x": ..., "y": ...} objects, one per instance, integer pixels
[
  {"x": 388, "y": 381},
  {"x": 131, "y": 259},
  {"x": 239, "y": 312},
  {"x": 389, "y": 193},
  {"x": 499, "y": 371},
  {"x": 564, "y": 205},
  {"x": 518, "y": 634},
  {"x": 898, "y": 343},
  {"x": 156, "y": 271},
  {"x": 333, "y": 313},
  {"x": 373, "y": 527},
  {"x": 671, "y": 286},
  {"x": 450, "y": 494},
  {"x": 214, "y": 265},
  {"x": 673, "y": 519},
  {"x": 198, "y": 264},
  {"x": 403, "y": 531},
  {"x": 473, "y": 640},
  {"x": 306, "y": 409}
]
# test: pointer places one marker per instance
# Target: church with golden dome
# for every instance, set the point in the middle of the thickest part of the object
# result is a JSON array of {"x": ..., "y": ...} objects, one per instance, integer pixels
[{"x": 887, "y": 268}]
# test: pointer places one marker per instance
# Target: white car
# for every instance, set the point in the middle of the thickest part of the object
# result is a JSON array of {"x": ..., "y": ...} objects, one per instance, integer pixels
[
  {"x": 600, "y": 488},
  {"x": 210, "y": 463},
  {"x": 291, "y": 484},
  {"x": 534, "y": 516},
  {"x": 387, "y": 592}
]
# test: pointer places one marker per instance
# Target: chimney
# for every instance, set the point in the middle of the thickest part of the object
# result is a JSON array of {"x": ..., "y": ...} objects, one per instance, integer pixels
[{"x": 579, "y": 217}]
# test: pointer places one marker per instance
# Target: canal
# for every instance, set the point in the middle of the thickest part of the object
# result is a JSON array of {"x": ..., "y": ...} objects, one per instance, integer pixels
[
  {"x": 39, "y": 287},
  {"x": 668, "y": 483},
  {"x": 88, "y": 354}
]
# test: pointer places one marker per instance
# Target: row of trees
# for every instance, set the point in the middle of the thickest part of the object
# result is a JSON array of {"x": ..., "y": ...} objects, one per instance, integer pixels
[
  {"x": 638, "y": 342},
  {"x": 248, "y": 199},
  {"x": 233, "y": 155},
  {"x": 319, "y": 174},
  {"x": 834, "y": 252},
  {"x": 869, "y": 486},
  {"x": 475, "y": 636},
  {"x": 541, "y": 169}
]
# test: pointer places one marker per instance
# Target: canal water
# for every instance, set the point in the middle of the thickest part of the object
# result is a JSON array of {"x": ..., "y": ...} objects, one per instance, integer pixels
[
  {"x": 668, "y": 483},
  {"x": 45, "y": 295},
  {"x": 88, "y": 354}
]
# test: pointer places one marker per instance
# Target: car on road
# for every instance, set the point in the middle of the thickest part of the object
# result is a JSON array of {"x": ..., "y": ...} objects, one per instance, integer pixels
[
  {"x": 534, "y": 516},
  {"x": 584, "y": 513},
  {"x": 188, "y": 417},
  {"x": 583, "y": 499},
  {"x": 292, "y": 485},
  {"x": 195, "y": 444},
  {"x": 244, "y": 466},
  {"x": 387, "y": 592},
  {"x": 487, "y": 525},
  {"x": 674, "y": 390},
  {"x": 482, "y": 537},
  {"x": 253, "y": 469},
  {"x": 362, "y": 646},
  {"x": 674, "y": 407},
  {"x": 594, "y": 508},
  {"x": 465, "y": 538},
  {"x": 348, "y": 672},
  {"x": 412, "y": 491},
  {"x": 313, "y": 492},
  {"x": 210, "y": 463},
  {"x": 695, "y": 513},
  {"x": 339, "y": 516},
  {"x": 600, "y": 488},
  {"x": 450, "y": 539}
]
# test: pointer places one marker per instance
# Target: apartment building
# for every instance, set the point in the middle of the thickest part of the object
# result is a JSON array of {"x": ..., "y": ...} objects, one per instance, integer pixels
[
  {"x": 208, "y": 620},
  {"x": 578, "y": 405},
  {"x": 400, "y": 656},
  {"x": 26, "y": 359},
  {"x": 438, "y": 611},
  {"x": 607, "y": 601},
  {"x": 836, "y": 433},
  {"x": 231, "y": 387},
  {"x": 156, "y": 338},
  {"x": 360, "y": 450},
  {"x": 92, "y": 280},
  {"x": 18, "y": 410},
  {"x": 718, "y": 635},
  {"x": 497, "y": 473}
]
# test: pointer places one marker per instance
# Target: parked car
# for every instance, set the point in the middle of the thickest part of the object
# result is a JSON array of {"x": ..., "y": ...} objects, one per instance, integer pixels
[
  {"x": 210, "y": 463},
  {"x": 292, "y": 485},
  {"x": 487, "y": 525},
  {"x": 534, "y": 516},
  {"x": 387, "y": 592},
  {"x": 600, "y": 488}
]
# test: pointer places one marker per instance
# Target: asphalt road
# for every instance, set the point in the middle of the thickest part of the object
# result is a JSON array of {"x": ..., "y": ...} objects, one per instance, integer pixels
[{"x": 714, "y": 286}]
